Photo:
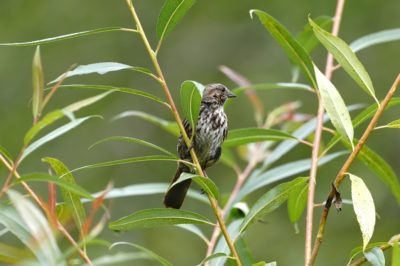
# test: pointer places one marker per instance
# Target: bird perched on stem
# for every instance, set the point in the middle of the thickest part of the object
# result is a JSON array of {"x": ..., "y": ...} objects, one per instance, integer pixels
[{"x": 211, "y": 131}]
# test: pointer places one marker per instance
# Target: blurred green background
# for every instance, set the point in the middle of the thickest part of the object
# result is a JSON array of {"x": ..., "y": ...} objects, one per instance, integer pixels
[{"x": 213, "y": 33}]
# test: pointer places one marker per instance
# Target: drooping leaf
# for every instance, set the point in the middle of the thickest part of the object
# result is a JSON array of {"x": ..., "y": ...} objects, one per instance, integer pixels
[
  {"x": 169, "y": 126},
  {"x": 364, "y": 208},
  {"x": 65, "y": 37},
  {"x": 99, "y": 68},
  {"x": 133, "y": 140},
  {"x": 153, "y": 255},
  {"x": 358, "y": 250},
  {"x": 271, "y": 201},
  {"x": 260, "y": 179},
  {"x": 171, "y": 13},
  {"x": 117, "y": 89},
  {"x": 375, "y": 38},
  {"x": 46, "y": 250},
  {"x": 204, "y": 182},
  {"x": 37, "y": 84},
  {"x": 293, "y": 49},
  {"x": 335, "y": 106},
  {"x": 54, "y": 134},
  {"x": 71, "y": 199},
  {"x": 272, "y": 86},
  {"x": 66, "y": 185},
  {"x": 191, "y": 92},
  {"x": 157, "y": 217},
  {"x": 297, "y": 202},
  {"x": 242, "y": 136},
  {"x": 306, "y": 37},
  {"x": 396, "y": 254},
  {"x": 376, "y": 257},
  {"x": 346, "y": 58}
]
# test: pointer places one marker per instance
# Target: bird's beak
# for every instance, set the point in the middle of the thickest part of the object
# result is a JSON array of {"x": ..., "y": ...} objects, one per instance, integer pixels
[{"x": 231, "y": 94}]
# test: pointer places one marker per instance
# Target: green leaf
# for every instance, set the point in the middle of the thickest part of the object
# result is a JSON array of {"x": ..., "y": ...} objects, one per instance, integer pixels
[
  {"x": 99, "y": 68},
  {"x": 271, "y": 201},
  {"x": 171, "y": 13},
  {"x": 5, "y": 153},
  {"x": 292, "y": 48},
  {"x": 375, "y": 256},
  {"x": 54, "y": 134},
  {"x": 157, "y": 217},
  {"x": 297, "y": 202},
  {"x": 153, "y": 255},
  {"x": 358, "y": 250},
  {"x": 393, "y": 124},
  {"x": 364, "y": 208},
  {"x": 86, "y": 102},
  {"x": 307, "y": 39},
  {"x": 65, "y": 37},
  {"x": 204, "y": 182},
  {"x": 62, "y": 183},
  {"x": 272, "y": 86},
  {"x": 46, "y": 249},
  {"x": 145, "y": 189},
  {"x": 195, "y": 230},
  {"x": 133, "y": 140},
  {"x": 260, "y": 179},
  {"x": 335, "y": 106},
  {"x": 190, "y": 101},
  {"x": 242, "y": 136},
  {"x": 12, "y": 255},
  {"x": 346, "y": 58},
  {"x": 396, "y": 254},
  {"x": 37, "y": 84},
  {"x": 118, "y": 258},
  {"x": 375, "y": 38},
  {"x": 213, "y": 256},
  {"x": 72, "y": 200},
  {"x": 169, "y": 126},
  {"x": 117, "y": 89},
  {"x": 244, "y": 252}
]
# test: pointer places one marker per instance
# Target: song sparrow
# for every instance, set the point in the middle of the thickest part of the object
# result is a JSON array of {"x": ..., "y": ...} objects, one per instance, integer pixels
[{"x": 211, "y": 131}]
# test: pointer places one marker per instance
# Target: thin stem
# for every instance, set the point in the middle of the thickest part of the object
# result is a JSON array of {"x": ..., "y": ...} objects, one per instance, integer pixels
[
  {"x": 317, "y": 141},
  {"x": 341, "y": 175},
  {"x": 153, "y": 57}
]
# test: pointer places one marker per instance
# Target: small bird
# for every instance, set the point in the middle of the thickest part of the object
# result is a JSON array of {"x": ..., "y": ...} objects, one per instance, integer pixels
[{"x": 211, "y": 131}]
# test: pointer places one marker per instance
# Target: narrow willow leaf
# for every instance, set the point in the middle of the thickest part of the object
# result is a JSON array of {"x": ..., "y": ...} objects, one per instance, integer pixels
[
  {"x": 272, "y": 86},
  {"x": 171, "y": 13},
  {"x": 204, "y": 182},
  {"x": 54, "y": 134},
  {"x": 5, "y": 153},
  {"x": 306, "y": 38},
  {"x": 99, "y": 68},
  {"x": 396, "y": 254},
  {"x": 261, "y": 179},
  {"x": 375, "y": 256},
  {"x": 133, "y": 140},
  {"x": 39, "y": 229},
  {"x": 37, "y": 83},
  {"x": 65, "y": 37},
  {"x": 117, "y": 89},
  {"x": 66, "y": 185},
  {"x": 364, "y": 208},
  {"x": 245, "y": 255},
  {"x": 211, "y": 257},
  {"x": 293, "y": 49},
  {"x": 71, "y": 199},
  {"x": 358, "y": 250},
  {"x": 11, "y": 255},
  {"x": 297, "y": 201},
  {"x": 375, "y": 38},
  {"x": 157, "y": 217},
  {"x": 335, "y": 106},
  {"x": 195, "y": 230},
  {"x": 153, "y": 255},
  {"x": 346, "y": 58},
  {"x": 145, "y": 189},
  {"x": 271, "y": 201},
  {"x": 191, "y": 92},
  {"x": 393, "y": 124},
  {"x": 118, "y": 258},
  {"x": 86, "y": 102},
  {"x": 169, "y": 126},
  {"x": 242, "y": 136}
]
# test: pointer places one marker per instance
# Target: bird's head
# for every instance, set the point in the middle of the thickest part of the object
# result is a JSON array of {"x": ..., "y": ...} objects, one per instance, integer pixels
[{"x": 216, "y": 94}]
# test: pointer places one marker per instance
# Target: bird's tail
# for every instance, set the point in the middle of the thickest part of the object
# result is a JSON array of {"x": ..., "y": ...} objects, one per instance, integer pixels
[{"x": 176, "y": 194}]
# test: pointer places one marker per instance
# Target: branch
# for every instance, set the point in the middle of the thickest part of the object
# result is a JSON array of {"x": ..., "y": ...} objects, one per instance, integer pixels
[
  {"x": 153, "y": 57},
  {"x": 340, "y": 176},
  {"x": 317, "y": 140}
]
